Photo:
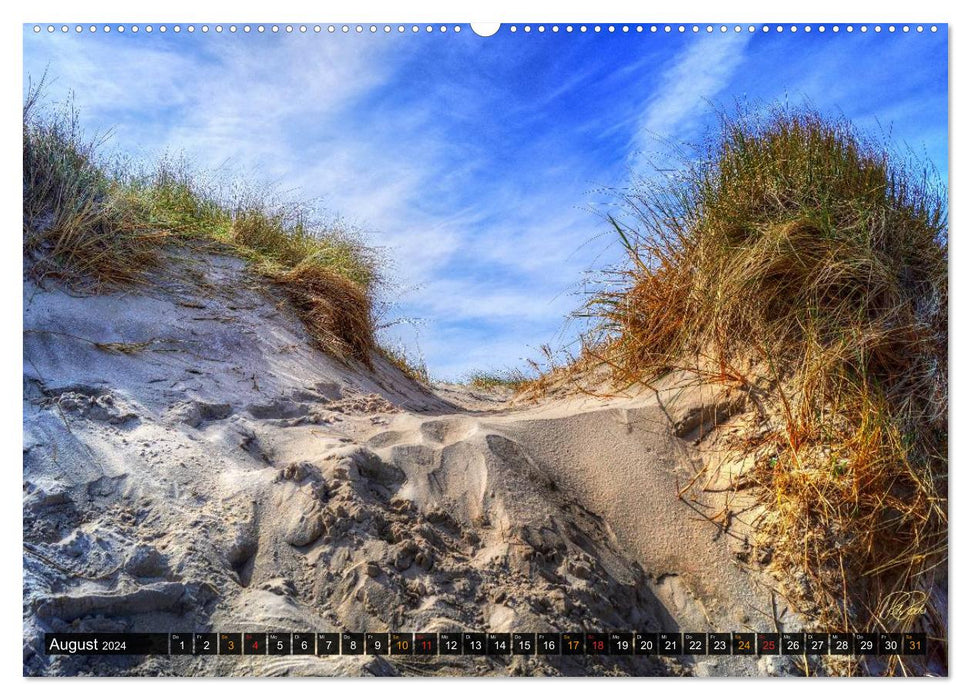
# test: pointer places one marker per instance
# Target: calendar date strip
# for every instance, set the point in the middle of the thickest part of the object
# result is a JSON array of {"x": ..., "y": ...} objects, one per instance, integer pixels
[{"x": 488, "y": 643}]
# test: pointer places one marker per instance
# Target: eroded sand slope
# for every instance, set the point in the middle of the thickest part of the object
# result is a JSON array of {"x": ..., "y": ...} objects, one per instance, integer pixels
[{"x": 192, "y": 463}]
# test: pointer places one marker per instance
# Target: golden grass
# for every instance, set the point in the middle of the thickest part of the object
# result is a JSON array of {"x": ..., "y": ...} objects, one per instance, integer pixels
[
  {"x": 335, "y": 309},
  {"x": 795, "y": 255},
  {"x": 486, "y": 380},
  {"x": 88, "y": 224}
]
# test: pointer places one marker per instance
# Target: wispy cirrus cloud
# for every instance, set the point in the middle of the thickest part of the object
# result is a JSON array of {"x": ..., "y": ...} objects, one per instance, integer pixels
[{"x": 696, "y": 75}]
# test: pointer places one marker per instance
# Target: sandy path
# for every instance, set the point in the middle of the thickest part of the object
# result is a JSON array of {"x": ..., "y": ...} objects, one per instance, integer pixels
[{"x": 621, "y": 460}]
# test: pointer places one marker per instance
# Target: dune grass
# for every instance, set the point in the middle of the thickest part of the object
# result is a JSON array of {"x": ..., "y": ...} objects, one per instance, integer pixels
[
  {"x": 486, "y": 380},
  {"x": 411, "y": 363},
  {"x": 94, "y": 223},
  {"x": 808, "y": 266}
]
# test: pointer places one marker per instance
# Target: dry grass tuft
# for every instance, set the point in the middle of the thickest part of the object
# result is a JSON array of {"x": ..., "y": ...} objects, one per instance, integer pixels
[
  {"x": 336, "y": 310},
  {"x": 411, "y": 364},
  {"x": 73, "y": 225},
  {"x": 809, "y": 265},
  {"x": 513, "y": 379}
]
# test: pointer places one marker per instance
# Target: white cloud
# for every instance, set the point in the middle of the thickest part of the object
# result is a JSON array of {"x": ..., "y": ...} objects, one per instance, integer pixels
[{"x": 698, "y": 74}]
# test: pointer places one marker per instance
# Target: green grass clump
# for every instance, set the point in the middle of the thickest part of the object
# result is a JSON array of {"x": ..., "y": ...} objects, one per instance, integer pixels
[
  {"x": 807, "y": 265},
  {"x": 497, "y": 379},
  {"x": 88, "y": 223}
]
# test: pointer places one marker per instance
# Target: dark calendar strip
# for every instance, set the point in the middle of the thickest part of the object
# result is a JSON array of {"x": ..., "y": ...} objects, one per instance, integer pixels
[{"x": 489, "y": 643}]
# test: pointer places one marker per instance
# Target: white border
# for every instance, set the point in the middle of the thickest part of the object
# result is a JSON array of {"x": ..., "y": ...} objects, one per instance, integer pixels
[{"x": 385, "y": 11}]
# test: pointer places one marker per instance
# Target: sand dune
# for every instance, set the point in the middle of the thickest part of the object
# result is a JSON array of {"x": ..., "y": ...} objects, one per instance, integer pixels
[{"x": 192, "y": 462}]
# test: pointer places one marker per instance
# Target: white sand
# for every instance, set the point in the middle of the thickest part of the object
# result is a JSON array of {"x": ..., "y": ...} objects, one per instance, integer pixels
[{"x": 205, "y": 467}]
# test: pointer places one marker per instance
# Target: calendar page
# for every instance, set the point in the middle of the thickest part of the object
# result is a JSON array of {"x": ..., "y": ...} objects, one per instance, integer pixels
[{"x": 514, "y": 349}]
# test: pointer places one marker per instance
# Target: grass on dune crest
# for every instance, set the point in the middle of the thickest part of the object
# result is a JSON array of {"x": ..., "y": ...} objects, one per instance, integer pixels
[
  {"x": 804, "y": 263},
  {"x": 91, "y": 222}
]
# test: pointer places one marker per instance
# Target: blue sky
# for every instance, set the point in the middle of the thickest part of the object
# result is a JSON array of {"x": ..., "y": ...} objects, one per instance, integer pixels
[{"x": 479, "y": 164}]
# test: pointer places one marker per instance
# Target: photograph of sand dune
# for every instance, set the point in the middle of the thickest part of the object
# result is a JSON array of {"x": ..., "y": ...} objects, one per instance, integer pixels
[{"x": 458, "y": 350}]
